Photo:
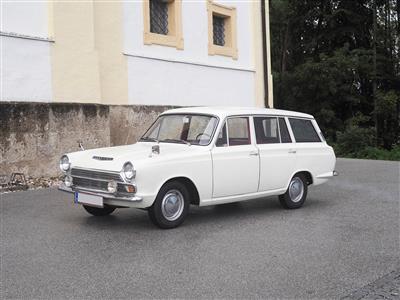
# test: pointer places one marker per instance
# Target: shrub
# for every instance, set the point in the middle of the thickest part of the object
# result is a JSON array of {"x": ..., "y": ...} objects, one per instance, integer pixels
[
  {"x": 354, "y": 139},
  {"x": 379, "y": 153}
]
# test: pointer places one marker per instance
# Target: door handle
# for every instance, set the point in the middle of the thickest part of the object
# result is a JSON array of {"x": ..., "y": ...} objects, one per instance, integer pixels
[
  {"x": 253, "y": 153},
  {"x": 292, "y": 151}
]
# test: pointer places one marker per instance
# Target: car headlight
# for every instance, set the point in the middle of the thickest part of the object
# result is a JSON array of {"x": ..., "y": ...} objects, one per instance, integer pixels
[
  {"x": 64, "y": 163},
  {"x": 128, "y": 171}
]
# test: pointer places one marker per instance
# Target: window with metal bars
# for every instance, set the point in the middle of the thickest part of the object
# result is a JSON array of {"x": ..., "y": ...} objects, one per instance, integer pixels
[
  {"x": 159, "y": 16},
  {"x": 219, "y": 30}
]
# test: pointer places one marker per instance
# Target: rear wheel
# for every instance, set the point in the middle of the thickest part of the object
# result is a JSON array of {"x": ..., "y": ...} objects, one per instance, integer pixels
[
  {"x": 99, "y": 211},
  {"x": 296, "y": 193},
  {"x": 171, "y": 206}
]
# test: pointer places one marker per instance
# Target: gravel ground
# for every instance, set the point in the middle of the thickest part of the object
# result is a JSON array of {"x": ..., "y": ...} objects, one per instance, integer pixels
[
  {"x": 387, "y": 287},
  {"x": 345, "y": 238}
]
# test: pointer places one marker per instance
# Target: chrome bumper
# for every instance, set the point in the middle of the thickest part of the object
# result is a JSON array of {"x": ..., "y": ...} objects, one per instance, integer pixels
[
  {"x": 109, "y": 196},
  {"x": 327, "y": 175}
]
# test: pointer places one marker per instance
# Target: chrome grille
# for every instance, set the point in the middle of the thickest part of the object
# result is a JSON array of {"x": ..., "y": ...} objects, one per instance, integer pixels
[
  {"x": 93, "y": 179},
  {"x": 91, "y": 174},
  {"x": 89, "y": 183}
]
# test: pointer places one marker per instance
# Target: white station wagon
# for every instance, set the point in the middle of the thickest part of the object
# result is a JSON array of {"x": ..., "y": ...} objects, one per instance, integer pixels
[{"x": 203, "y": 156}]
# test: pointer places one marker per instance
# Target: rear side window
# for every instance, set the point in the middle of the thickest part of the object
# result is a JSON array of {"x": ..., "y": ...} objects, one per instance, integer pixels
[
  {"x": 266, "y": 130},
  {"x": 304, "y": 131},
  {"x": 238, "y": 131},
  {"x": 285, "y": 136}
]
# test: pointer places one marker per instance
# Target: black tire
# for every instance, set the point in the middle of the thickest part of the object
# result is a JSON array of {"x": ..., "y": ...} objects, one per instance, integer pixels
[
  {"x": 158, "y": 215},
  {"x": 286, "y": 199},
  {"x": 98, "y": 211}
]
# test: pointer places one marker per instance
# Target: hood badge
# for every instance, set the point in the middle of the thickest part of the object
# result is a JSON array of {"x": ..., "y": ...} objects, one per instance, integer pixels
[{"x": 102, "y": 158}]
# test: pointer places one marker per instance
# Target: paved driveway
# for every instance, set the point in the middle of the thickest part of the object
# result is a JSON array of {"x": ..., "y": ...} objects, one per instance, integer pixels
[{"x": 346, "y": 236}]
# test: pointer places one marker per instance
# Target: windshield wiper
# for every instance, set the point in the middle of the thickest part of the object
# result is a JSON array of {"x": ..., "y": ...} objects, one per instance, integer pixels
[
  {"x": 149, "y": 139},
  {"x": 176, "y": 141}
]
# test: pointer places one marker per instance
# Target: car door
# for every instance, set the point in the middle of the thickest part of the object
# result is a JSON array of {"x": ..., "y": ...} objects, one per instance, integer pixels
[
  {"x": 277, "y": 152},
  {"x": 235, "y": 159}
]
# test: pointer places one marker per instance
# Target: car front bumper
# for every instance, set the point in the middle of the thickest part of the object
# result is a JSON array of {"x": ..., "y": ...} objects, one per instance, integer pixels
[{"x": 109, "y": 199}]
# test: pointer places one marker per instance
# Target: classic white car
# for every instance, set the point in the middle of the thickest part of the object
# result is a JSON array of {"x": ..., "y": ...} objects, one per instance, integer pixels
[{"x": 203, "y": 156}]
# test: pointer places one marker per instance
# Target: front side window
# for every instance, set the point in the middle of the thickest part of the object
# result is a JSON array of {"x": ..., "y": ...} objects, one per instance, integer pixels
[
  {"x": 266, "y": 129},
  {"x": 222, "y": 140},
  {"x": 238, "y": 131},
  {"x": 179, "y": 128},
  {"x": 304, "y": 131}
]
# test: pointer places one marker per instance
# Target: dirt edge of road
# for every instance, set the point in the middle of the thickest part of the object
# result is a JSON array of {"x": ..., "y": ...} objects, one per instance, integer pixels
[{"x": 386, "y": 287}]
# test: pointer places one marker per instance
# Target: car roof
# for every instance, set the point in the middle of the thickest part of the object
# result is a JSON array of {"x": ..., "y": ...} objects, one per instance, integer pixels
[{"x": 226, "y": 111}]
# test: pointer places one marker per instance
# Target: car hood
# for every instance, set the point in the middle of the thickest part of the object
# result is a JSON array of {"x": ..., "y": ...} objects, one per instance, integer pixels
[{"x": 113, "y": 158}]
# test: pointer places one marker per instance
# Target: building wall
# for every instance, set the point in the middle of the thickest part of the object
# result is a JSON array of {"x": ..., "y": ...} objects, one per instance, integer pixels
[
  {"x": 33, "y": 136},
  {"x": 190, "y": 76},
  {"x": 94, "y": 52},
  {"x": 113, "y": 69},
  {"x": 74, "y": 58},
  {"x": 60, "y": 57},
  {"x": 25, "y": 67}
]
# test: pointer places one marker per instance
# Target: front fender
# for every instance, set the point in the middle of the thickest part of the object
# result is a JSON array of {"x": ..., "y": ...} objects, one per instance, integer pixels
[{"x": 152, "y": 176}]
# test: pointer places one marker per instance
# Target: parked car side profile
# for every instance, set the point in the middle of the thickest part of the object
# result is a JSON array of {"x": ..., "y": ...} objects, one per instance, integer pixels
[{"x": 203, "y": 156}]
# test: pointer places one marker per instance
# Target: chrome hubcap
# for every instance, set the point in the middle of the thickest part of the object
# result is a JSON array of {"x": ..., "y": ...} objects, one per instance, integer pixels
[
  {"x": 172, "y": 205},
  {"x": 296, "y": 189}
]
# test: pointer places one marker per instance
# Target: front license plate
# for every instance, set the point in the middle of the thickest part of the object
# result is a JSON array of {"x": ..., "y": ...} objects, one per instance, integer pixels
[{"x": 88, "y": 199}]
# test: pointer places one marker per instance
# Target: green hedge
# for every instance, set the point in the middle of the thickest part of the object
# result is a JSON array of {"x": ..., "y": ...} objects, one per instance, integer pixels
[{"x": 370, "y": 153}]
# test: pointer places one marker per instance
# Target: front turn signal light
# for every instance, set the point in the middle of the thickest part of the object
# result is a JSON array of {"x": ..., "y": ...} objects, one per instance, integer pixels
[{"x": 130, "y": 188}]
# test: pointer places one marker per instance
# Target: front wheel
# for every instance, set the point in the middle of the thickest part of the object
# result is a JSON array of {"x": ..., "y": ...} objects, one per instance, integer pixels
[
  {"x": 296, "y": 193},
  {"x": 171, "y": 206},
  {"x": 99, "y": 211}
]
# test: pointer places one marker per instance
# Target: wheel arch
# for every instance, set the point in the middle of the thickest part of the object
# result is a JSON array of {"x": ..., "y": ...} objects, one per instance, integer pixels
[
  {"x": 306, "y": 173},
  {"x": 195, "y": 198}
]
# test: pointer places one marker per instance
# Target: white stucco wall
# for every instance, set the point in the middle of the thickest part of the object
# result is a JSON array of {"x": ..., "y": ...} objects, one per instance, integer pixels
[
  {"x": 25, "y": 17},
  {"x": 165, "y": 75},
  {"x": 155, "y": 82},
  {"x": 25, "y": 68}
]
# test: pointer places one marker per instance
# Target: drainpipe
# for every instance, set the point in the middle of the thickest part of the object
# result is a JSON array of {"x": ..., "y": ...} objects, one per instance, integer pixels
[{"x": 266, "y": 50}]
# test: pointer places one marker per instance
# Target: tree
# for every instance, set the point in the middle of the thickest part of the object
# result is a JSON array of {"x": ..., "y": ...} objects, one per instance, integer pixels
[{"x": 337, "y": 60}]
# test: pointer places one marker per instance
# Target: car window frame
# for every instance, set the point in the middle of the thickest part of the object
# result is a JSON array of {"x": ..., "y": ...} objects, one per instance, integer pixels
[
  {"x": 291, "y": 136},
  {"x": 278, "y": 125},
  {"x": 187, "y": 114},
  {"x": 225, "y": 122},
  {"x": 311, "y": 120}
]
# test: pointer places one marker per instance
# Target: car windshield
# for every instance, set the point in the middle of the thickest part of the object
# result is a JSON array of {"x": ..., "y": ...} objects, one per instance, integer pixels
[{"x": 179, "y": 128}]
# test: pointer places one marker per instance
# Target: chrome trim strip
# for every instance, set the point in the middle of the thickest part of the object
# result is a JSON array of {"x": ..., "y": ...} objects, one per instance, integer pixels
[
  {"x": 96, "y": 170},
  {"x": 93, "y": 179},
  {"x": 102, "y": 158},
  {"x": 103, "y": 194},
  {"x": 327, "y": 175}
]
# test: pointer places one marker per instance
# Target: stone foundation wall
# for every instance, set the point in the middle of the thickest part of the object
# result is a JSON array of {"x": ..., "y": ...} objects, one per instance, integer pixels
[{"x": 33, "y": 136}]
